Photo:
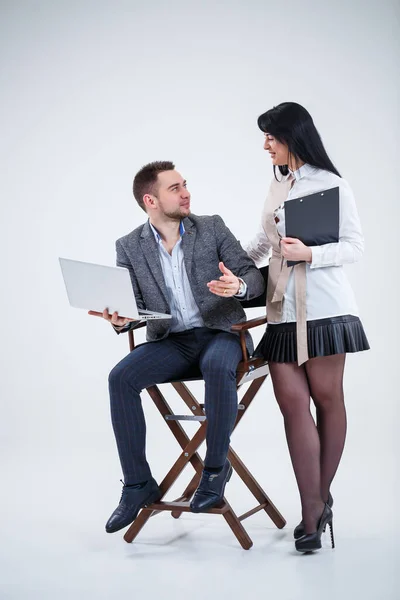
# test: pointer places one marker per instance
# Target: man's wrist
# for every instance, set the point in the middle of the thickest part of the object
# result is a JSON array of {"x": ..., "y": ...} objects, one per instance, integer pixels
[{"x": 242, "y": 288}]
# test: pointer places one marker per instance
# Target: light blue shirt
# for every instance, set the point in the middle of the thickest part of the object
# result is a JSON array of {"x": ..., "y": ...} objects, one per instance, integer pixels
[{"x": 184, "y": 310}]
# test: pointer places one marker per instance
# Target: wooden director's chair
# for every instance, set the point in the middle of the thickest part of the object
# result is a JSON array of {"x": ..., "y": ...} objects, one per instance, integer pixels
[{"x": 254, "y": 370}]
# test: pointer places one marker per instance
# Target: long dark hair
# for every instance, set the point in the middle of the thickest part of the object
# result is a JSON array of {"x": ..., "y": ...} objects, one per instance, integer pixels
[{"x": 292, "y": 124}]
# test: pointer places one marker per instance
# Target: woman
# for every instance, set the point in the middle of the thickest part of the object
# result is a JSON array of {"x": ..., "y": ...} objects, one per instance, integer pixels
[{"x": 312, "y": 315}]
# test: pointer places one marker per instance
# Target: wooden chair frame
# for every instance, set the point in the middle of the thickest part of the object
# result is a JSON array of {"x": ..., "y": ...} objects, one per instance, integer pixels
[{"x": 250, "y": 369}]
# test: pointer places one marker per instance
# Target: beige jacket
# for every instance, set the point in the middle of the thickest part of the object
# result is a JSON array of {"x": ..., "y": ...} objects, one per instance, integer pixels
[{"x": 279, "y": 271}]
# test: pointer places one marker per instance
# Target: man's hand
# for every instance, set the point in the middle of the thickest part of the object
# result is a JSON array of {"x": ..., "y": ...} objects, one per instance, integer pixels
[
  {"x": 294, "y": 249},
  {"x": 227, "y": 285},
  {"x": 114, "y": 318}
]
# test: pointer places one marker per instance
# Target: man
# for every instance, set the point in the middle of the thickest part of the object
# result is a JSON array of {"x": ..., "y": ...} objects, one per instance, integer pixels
[{"x": 175, "y": 260}]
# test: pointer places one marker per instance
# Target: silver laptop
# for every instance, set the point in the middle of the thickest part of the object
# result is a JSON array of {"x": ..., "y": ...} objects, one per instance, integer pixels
[{"x": 97, "y": 287}]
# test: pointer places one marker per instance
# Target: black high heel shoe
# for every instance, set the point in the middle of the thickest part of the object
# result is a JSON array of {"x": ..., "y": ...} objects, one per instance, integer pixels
[
  {"x": 299, "y": 531},
  {"x": 312, "y": 541}
]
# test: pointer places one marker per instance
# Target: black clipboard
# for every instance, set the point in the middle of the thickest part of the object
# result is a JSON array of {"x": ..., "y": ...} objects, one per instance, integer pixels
[{"x": 313, "y": 219}]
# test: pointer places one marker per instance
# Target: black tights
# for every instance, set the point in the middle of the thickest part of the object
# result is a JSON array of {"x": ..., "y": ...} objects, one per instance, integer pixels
[{"x": 315, "y": 450}]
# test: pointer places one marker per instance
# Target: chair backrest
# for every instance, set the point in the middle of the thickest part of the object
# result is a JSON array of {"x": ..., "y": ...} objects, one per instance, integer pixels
[{"x": 260, "y": 300}]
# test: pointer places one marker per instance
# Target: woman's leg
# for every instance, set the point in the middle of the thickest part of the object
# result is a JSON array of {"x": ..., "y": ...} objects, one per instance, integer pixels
[
  {"x": 293, "y": 395},
  {"x": 325, "y": 379}
]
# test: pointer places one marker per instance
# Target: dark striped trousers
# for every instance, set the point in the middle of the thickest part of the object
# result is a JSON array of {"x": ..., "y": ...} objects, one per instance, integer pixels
[{"x": 216, "y": 352}]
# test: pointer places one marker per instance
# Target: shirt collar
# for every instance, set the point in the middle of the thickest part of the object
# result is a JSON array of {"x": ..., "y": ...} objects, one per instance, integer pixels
[
  {"x": 304, "y": 170},
  {"x": 157, "y": 235}
]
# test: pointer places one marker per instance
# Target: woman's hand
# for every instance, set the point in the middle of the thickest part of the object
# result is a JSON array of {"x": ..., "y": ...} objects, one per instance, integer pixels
[
  {"x": 294, "y": 249},
  {"x": 227, "y": 285}
]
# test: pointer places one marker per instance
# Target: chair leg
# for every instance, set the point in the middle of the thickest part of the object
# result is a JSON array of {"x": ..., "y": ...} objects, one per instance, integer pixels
[
  {"x": 237, "y": 528},
  {"x": 137, "y": 525},
  {"x": 255, "y": 488}
]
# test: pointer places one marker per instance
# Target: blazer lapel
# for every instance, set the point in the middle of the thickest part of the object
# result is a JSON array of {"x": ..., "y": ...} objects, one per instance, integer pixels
[
  {"x": 188, "y": 240},
  {"x": 151, "y": 254}
]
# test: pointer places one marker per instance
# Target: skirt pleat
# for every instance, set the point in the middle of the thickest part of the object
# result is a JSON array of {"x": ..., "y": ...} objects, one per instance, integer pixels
[{"x": 335, "y": 335}]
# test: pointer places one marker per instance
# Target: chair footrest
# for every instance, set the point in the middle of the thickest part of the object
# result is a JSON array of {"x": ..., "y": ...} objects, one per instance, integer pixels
[
  {"x": 184, "y": 507},
  {"x": 253, "y": 511},
  {"x": 240, "y": 406},
  {"x": 185, "y": 418}
]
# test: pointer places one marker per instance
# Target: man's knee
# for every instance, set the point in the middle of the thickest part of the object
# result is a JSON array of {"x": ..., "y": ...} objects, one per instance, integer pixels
[
  {"x": 115, "y": 376},
  {"x": 122, "y": 374},
  {"x": 217, "y": 370}
]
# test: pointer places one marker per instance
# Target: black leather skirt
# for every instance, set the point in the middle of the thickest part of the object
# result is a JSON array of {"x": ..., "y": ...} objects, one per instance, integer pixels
[{"x": 335, "y": 335}]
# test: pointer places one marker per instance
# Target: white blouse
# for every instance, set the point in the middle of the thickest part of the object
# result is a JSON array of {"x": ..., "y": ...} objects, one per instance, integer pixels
[{"x": 329, "y": 293}]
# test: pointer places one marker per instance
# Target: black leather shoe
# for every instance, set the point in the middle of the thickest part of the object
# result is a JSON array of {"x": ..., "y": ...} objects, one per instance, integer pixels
[
  {"x": 312, "y": 541},
  {"x": 132, "y": 500},
  {"x": 211, "y": 489},
  {"x": 299, "y": 531}
]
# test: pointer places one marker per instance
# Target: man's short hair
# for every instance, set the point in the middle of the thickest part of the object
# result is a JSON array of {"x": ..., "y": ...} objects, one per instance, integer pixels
[{"x": 145, "y": 181}]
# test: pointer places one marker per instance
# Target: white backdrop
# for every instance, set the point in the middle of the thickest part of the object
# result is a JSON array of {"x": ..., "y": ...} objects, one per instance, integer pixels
[{"x": 90, "y": 92}]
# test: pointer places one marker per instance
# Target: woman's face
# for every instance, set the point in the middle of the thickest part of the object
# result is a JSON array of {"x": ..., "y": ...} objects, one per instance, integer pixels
[{"x": 278, "y": 151}]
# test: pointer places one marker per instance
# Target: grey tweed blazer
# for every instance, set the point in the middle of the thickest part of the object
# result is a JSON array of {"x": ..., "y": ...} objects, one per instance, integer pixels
[{"x": 205, "y": 243}]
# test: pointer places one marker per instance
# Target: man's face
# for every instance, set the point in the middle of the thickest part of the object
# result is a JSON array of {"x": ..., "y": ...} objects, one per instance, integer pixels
[{"x": 173, "y": 198}]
